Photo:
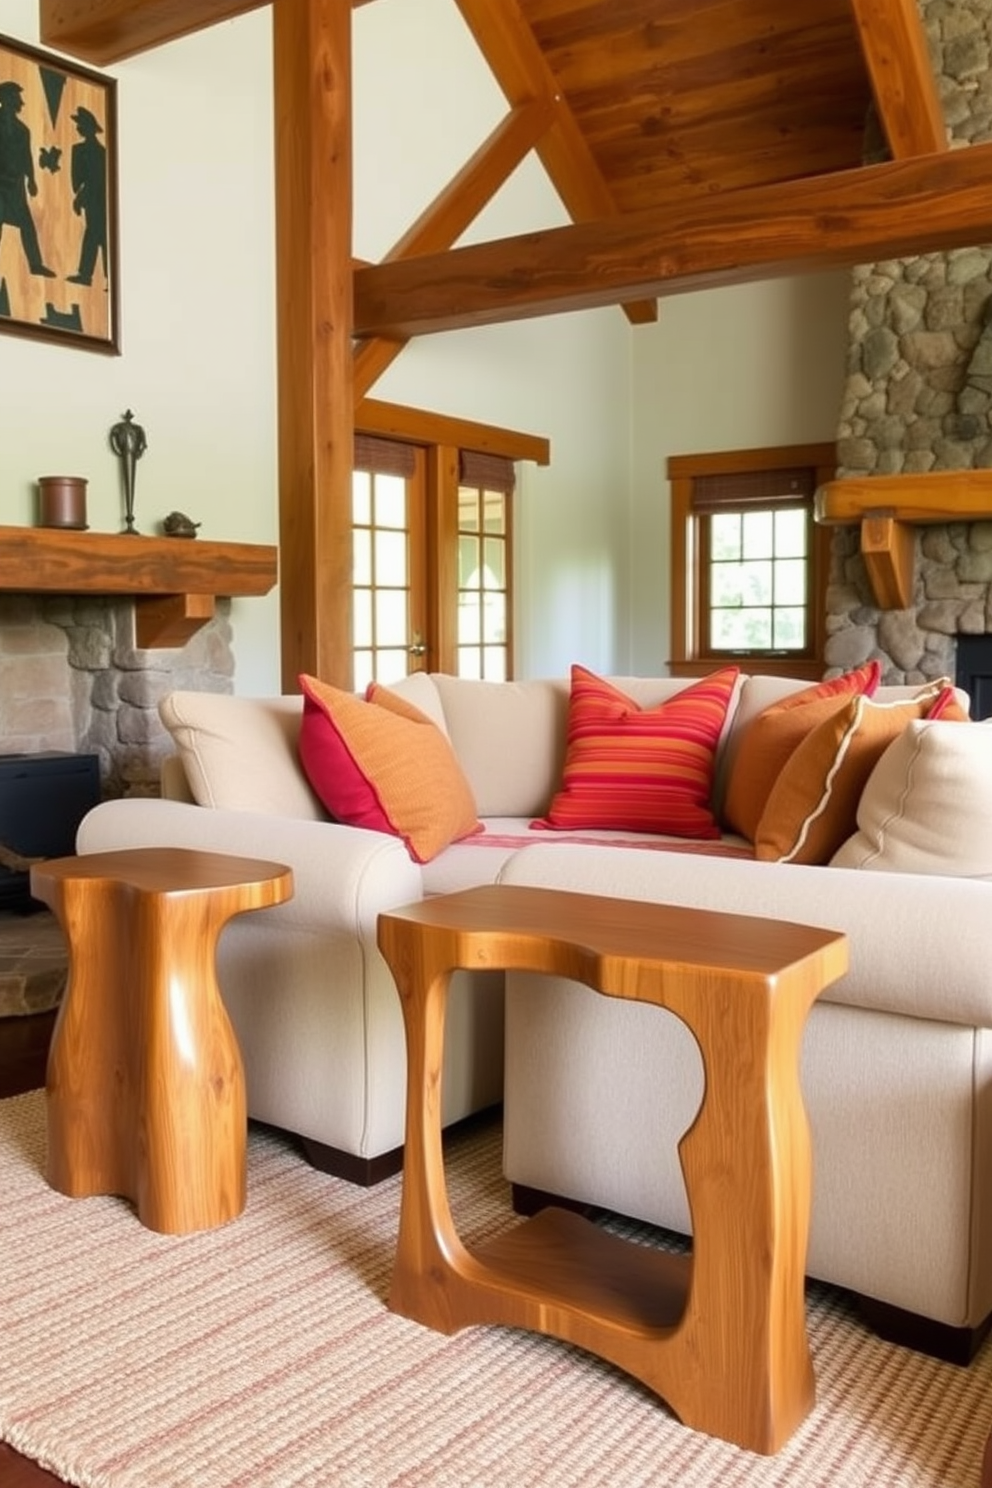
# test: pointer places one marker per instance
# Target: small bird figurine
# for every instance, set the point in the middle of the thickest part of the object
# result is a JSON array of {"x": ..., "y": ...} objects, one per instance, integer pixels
[{"x": 178, "y": 524}]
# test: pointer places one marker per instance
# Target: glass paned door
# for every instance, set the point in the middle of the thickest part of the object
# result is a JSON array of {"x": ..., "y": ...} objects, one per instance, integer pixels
[{"x": 388, "y": 569}]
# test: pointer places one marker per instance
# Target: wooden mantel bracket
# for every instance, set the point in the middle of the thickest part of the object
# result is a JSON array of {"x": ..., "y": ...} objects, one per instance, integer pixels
[
  {"x": 170, "y": 619},
  {"x": 173, "y": 581},
  {"x": 889, "y": 550},
  {"x": 889, "y": 508}
]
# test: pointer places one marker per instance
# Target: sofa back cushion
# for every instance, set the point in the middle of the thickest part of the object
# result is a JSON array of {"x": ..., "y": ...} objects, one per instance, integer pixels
[
  {"x": 509, "y": 738},
  {"x": 240, "y": 754}
]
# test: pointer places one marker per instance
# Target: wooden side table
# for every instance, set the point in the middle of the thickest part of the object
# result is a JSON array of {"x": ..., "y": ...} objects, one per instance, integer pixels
[
  {"x": 721, "y": 1336},
  {"x": 145, "y": 1083}
]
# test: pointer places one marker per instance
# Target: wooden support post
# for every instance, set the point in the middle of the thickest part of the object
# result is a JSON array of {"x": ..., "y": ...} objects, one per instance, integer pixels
[{"x": 312, "y": 60}]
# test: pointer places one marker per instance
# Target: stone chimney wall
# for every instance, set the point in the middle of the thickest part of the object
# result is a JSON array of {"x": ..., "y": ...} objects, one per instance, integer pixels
[
  {"x": 71, "y": 679},
  {"x": 918, "y": 397}
]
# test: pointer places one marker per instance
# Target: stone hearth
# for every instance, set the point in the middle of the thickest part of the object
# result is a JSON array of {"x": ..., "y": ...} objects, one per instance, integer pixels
[{"x": 33, "y": 963}]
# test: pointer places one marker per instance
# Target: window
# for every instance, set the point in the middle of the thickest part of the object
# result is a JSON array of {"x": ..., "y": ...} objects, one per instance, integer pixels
[{"x": 749, "y": 563}]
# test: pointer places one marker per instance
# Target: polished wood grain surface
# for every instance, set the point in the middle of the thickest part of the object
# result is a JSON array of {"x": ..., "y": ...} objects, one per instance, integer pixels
[
  {"x": 145, "y": 1083},
  {"x": 18, "y": 1472},
  {"x": 36, "y": 559},
  {"x": 722, "y": 1338}
]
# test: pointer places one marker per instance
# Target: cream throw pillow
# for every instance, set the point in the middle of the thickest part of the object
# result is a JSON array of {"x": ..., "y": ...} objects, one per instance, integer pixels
[{"x": 927, "y": 805}]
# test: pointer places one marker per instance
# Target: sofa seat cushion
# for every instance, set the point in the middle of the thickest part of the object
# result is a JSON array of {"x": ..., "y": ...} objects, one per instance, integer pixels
[
  {"x": 630, "y": 768},
  {"x": 480, "y": 859}
]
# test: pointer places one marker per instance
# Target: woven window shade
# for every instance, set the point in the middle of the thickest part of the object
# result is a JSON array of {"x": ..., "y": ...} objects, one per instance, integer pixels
[
  {"x": 384, "y": 456},
  {"x": 486, "y": 472},
  {"x": 757, "y": 488}
]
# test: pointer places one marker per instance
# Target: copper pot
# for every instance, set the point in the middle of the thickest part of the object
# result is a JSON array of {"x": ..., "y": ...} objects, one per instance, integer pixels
[{"x": 62, "y": 501}]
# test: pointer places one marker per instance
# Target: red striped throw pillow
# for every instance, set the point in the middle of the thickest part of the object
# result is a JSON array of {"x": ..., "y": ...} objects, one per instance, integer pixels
[{"x": 635, "y": 769}]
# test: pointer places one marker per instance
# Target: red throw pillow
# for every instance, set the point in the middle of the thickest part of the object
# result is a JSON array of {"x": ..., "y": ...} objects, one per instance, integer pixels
[
  {"x": 635, "y": 769},
  {"x": 385, "y": 765}
]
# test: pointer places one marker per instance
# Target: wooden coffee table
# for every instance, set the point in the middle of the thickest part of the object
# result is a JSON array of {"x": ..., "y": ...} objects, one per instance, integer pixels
[
  {"x": 145, "y": 1085},
  {"x": 720, "y": 1335}
]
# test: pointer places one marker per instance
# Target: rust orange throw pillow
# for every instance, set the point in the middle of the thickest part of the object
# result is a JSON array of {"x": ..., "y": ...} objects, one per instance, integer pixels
[
  {"x": 770, "y": 739},
  {"x": 383, "y": 764},
  {"x": 813, "y": 806},
  {"x": 635, "y": 769}
]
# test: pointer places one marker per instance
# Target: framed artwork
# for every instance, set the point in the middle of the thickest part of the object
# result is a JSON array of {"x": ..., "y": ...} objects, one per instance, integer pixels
[{"x": 58, "y": 200}]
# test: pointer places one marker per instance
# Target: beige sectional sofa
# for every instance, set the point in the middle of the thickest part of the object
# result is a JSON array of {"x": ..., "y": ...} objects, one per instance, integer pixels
[{"x": 897, "y": 1064}]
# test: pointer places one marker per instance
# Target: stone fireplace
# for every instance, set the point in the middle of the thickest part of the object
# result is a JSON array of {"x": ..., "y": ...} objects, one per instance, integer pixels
[
  {"x": 918, "y": 398},
  {"x": 71, "y": 678}
]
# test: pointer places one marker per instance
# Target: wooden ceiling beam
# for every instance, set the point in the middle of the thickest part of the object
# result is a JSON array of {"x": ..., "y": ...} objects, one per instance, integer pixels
[
  {"x": 103, "y": 31},
  {"x": 895, "y": 49},
  {"x": 454, "y": 209},
  {"x": 519, "y": 67},
  {"x": 892, "y": 210}
]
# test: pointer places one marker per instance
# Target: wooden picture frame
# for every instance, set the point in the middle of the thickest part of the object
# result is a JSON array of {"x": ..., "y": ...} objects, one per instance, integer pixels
[{"x": 58, "y": 200}]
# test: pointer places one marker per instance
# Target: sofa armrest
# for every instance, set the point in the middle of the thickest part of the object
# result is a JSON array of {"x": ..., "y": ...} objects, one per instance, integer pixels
[
  {"x": 342, "y": 876},
  {"x": 919, "y": 943}
]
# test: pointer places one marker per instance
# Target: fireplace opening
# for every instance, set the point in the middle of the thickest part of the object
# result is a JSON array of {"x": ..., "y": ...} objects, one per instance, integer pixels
[
  {"x": 974, "y": 672},
  {"x": 43, "y": 798}
]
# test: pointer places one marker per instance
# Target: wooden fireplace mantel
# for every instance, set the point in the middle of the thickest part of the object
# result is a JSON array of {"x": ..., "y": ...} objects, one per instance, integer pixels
[
  {"x": 174, "y": 581},
  {"x": 890, "y": 508}
]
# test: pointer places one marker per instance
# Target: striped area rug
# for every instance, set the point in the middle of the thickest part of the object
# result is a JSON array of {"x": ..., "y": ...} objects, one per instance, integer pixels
[{"x": 262, "y": 1355}]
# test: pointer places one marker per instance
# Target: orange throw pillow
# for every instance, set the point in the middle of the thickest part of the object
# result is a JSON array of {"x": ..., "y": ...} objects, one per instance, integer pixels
[
  {"x": 635, "y": 769},
  {"x": 770, "y": 739},
  {"x": 385, "y": 765},
  {"x": 813, "y": 806}
]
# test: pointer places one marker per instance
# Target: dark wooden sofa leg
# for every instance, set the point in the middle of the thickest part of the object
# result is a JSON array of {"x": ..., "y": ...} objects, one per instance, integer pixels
[
  {"x": 365, "y": 1171},
  {"x": 368, "y": 1171},
  {"x": 910, "y": 1330}
]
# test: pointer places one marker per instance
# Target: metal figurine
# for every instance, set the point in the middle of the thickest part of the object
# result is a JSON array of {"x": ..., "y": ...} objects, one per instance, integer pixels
[
  {"x": 178, "y": 524},
  {"x": 128, "y": 442}
]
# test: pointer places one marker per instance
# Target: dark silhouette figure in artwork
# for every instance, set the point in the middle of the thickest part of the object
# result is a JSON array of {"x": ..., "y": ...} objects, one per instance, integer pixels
[
  {"x": 89, "y": 194},
  {"x": 17, "y": 178}
]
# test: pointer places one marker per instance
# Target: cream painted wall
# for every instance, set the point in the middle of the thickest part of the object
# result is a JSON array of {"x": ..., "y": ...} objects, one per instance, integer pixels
[
  {"x": 741, "y": 368},
  {"x": 198, "y": 330}
]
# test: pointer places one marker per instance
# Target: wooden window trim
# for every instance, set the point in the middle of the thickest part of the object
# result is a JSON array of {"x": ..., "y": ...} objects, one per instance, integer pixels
[{"x": 689, "y": 658}]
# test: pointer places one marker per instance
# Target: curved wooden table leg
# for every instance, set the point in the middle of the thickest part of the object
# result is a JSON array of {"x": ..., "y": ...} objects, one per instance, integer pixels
[
  {"x": 145, "y": 1082},
  {"x": 721, "y": 1337}
]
